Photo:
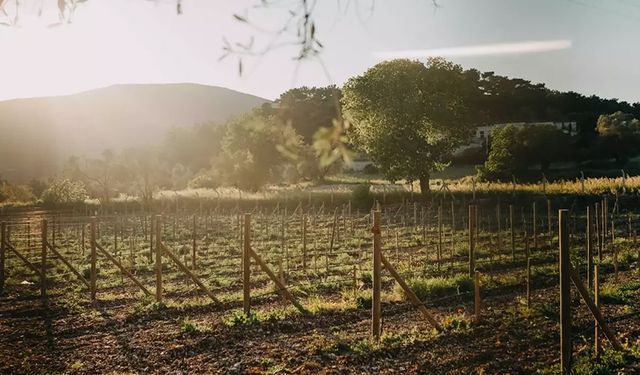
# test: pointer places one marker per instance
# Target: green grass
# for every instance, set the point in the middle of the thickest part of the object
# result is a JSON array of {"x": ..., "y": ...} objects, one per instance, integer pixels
[
  {"x": 438, "y": 287},
  {"x": 188, "y": 326},
  {"x": 618, "y": 294},
  {"x": 609, "y": 363}
]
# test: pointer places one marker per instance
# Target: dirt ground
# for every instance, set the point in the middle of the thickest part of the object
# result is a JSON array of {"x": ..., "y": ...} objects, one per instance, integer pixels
[{"x": 108, "y": 337}]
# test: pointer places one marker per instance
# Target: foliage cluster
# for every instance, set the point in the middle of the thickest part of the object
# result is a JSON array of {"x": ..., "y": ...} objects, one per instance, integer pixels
[
  {"x": 62, "y": 191},
  {"x": 438, "y": 287}
]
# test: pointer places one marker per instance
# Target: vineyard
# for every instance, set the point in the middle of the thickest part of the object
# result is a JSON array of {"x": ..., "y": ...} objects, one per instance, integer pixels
[{"x": 454, "y": 285}]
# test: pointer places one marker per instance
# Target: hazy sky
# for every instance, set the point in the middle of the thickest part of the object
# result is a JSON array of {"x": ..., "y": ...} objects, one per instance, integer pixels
[{"x": 588, "y": 46}]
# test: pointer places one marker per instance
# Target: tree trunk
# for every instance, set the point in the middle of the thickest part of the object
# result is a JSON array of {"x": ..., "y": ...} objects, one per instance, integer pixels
[{"x": 424, "y": 186}]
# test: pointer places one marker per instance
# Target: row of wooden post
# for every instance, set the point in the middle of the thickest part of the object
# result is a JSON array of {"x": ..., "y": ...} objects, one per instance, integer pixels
[{"x": 568, "y": 275}]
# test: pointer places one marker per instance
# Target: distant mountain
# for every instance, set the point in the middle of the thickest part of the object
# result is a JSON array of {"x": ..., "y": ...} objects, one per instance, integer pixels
[{"x": 37, "y": 135}]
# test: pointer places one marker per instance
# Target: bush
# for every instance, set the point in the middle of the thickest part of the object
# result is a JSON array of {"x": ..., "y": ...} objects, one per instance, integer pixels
[
  {"x": 15, "y": 193},
  {"x": 456, "y": 323},
  {"x": 65, "y": 191},
  {"x": 361, "y": 196},
  {"x": 238, "y": 318}
]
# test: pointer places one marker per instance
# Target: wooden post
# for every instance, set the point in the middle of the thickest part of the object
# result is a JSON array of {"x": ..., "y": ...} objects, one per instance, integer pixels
[
  {"x": 598, "y": 231},
  {"x": 194, "y": 246},
  {"x": 375, "y": 298},
  {"x": 29, "y": 237},
  {"x": 513, "y": 236},
  {"x": 534, "y": 227},
  {"x": 605, "y": 212},
  {"x": 528, "y": 283},
  {"x": 246, "y": 263},
  {"x": 43, "y": 261},
  {"x": 588, "y": 240},
  {"x": 439, "y": 236},
  {"x": 596, "y": 300},
  {"x": 565, "y": 292},
  {"x": 424, "y": 226},
  {"x": 355, "y": 280},
  {"x": 595, "y": 311},
  {"x": 549, "y": 228},
  {"x": 3, "y": 231},
  {"x": 615, "y": 248},
  {"x": 152, "y": 229},
  {"x": 412, "y": 296},
  {"x": 472, "y": 240},
  {"x": 476, "y": 299},
  {"x": 115, "y": 236},
  {"x": 158, "y": 262},
  {"x": 499, "y": 228},
  {"x": 304, "y": 239},
  {"x": 92, "y": 275},
  {"x": 81, "y": 240}
]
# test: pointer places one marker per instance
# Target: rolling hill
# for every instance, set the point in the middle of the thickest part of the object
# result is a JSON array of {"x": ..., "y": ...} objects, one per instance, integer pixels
[{"x": 38, "y": 134}]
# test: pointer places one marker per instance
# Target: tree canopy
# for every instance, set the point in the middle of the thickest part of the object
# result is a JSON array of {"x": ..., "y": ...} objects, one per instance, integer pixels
[
  {"x": 307, "y": 109},
  {"x": 409, "y": 117},
  {"x": 515, "y": 150}
]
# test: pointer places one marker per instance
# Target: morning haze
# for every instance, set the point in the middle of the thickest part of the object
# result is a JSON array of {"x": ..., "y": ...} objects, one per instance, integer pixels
[{"x": 319, "y": 187}]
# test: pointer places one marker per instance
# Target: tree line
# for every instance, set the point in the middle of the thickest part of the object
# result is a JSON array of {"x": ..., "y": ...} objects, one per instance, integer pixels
[{"x": 407, "y": 116}]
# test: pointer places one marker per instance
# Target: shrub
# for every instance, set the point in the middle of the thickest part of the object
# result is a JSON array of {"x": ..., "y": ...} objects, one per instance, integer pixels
[
  {"x": 15, "y": 193},
  {"x": 361, "y": 196},
  {"x": 65, "y": 191},
  {"x": 239, "y": 318},
  {"x": 438, "y": 287},
  {"x": 456, "y": 323}
]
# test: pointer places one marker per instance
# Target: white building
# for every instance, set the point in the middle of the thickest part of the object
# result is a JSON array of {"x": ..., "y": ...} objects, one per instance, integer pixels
[{"x": 484, "y": 133}]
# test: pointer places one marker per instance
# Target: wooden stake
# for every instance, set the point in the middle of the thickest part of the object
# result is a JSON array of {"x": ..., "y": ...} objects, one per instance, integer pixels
[
  {"x": 185, "y": 269},
  {"x": 412, "y": 296},
  {"x": 92, "y": 239},
  {"x": 609, "y": 334},
  {"x": 472, "y": 240},
  {"x": 598, "y": 232},
  {"x": 589, "y": 240},
  {"x": 534, "y": 228},
  {"x": 123, "y": 269},
  {"x": 246, "y": 263},
  {"x": 565, "y": 293},
  {"x": 529, "y": 283},
  {"x": 615, "y": 248},
  {"x": 158, "y": 254},
  {"x": 439, "y": 236},
  {"x": 279, "y": 285},
  {"x": 377, "y": 255},
  {"x": 194, "y": 246},
  {"x": 549, "y": 228},
  {"x": 513, "y": 235},
  {"x": 596, "y": 300},
  {"x": 43, "y": 261},
  {"x": 476, "y": 299},
  {"x": 304, "y": 239},
  {"x": 3, "y": 231}
]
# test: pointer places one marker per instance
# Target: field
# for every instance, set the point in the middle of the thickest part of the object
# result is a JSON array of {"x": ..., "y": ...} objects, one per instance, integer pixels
[{"x": 322, "y": 252}]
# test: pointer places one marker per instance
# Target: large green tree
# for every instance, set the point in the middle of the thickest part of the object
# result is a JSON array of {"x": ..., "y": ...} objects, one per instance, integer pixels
[
  {"x": 619, "y": 134},
  {"x": 255, "y": 150},
  {"x": 409, "y": 117},
  {"x": 515, "y": 150},
  {"x": 307, "y": 109}
]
